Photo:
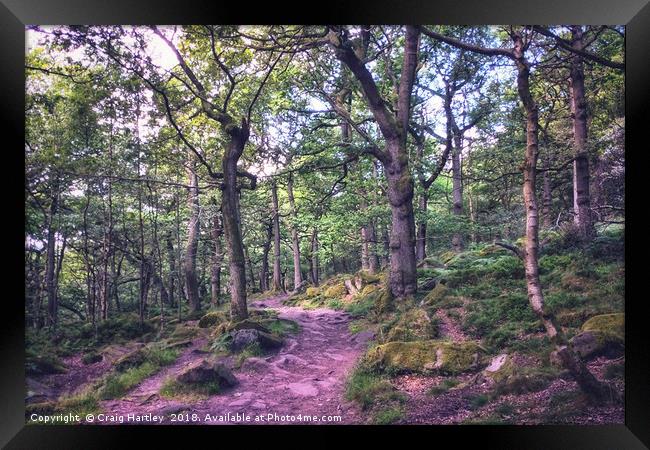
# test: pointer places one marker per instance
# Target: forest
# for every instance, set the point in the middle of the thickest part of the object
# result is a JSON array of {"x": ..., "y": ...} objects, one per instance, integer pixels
[{"x": 336, "y": 224}]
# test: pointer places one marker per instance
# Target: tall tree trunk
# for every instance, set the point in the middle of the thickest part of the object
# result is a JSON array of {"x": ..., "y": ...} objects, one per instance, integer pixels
[
  {"x": 191, "y": 281},
  {"x": 581, "y": 201},
  {"x": 50, "y": 285},
  {"x": 313, "y": 261},
  {"x": 277, "y": 273},
  {"x": 421, "y": 240},
  {"x": 172, "y": 270},
  {"x": 547, "y": 199},
  {"x": 215, "y": 274},
  {"x": 232, "y": 221},
  {"x": 572, "y": 362},
  {"x": 385, "y": 239},
  {"x": 394, "y": 128},
  {"x": 295, "y": 241},
  {"x": 266, "y": 248},
  {"x": 249, "y": 263},
  {"x": 402, "y": 278},
  {"x": 373, "y": 259},
  {"x": 457, "y": 187}
]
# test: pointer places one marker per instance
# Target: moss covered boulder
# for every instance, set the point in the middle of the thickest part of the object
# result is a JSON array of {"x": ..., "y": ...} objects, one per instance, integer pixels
[
  {"x": 369, "y": 278},
  {"x": 435, "y": 295},
  {"x": 601, "y": 335},
  {"x": 43, "y": 365},
  {"x": 213, "y": 318},
  {"x": 337, "y": 290},
  {"x": 312, "y": 292},
  {"x": 412, "y": 325},
  {"x": 425, "y": 357},
  {"x": 383, "y": 300}
]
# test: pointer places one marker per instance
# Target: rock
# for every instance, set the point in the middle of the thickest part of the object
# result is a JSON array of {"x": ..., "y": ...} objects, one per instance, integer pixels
[
  {"x": 175, "y": 344},
  {"x": 368, "y": 289},
  {"x": 368, "y": 278},
  {"x": 173, "y": 409},
  {"x": 412, "y": 325},
  {"x": 364, "y": 336},
  {"x": 336, "y": 291},
  {"x": 300, "y": 288},
  {"x": 248, "y": 324},
  {"x": 425, "y": 356},
  {"x": 213, "y": 318},
  {"x": 350, "y": 286},
  {"x": 496, "y": 363},
  {"x": 207, "y": 371},
  {"x": 427, "y": 285},
  {"x": 303, "y": 389},
  {"x": 435, "y": 295},
  {"x": 384, "y": 300},
  {"x": 91, "y": 358},
  {"x": 613, "y": 324},
  {"x": 601, "y": 335},
  {"x": 246, "y": 337},
  {"x": 43, "y": 365},
  {"x": 590, "y": 344},
  {"x": 129, "y": 360},
  {"x": 255, "y": 364},
  {"x": 312, "y": 292}
]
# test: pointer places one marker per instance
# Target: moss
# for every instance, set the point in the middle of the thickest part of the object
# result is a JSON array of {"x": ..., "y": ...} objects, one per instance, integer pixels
[
  {"x": 369, "y": 289},
  {"x": 436, "y": 294},
  {"x": 213, "y": 318},
  {"x": 312, "y": 292},
  {"x": 91, "y": 358},
  {"x": 369, "y": 278},
  {"x": 384, "y": 300},
  {"x": 413, "y": 325},
  {"x": 424, "y": 356},
  {"x": 389, "y": 415},
  {"x": 336, "y": 291},
  {"x": 447, "y": 256},
  {"x": 43, "y": 365},
  {"x": 609, "y": 324},
  {"x": 247, "y": 324},
  {"x": 522, "y": 380}
]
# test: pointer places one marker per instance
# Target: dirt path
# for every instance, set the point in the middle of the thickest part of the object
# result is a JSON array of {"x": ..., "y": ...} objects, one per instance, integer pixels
[
  {"x": 43, "y": 388},
  {"x": 306, "y": 377}
]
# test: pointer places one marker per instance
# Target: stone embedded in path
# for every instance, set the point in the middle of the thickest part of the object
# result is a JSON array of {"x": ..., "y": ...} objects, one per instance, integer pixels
[
  {"x": 334, "y": 356},
  {"x": 364, "y": 337},
  {"x": 303, "y": 389},
  {"x": 243, "y": 338},
  {"x": 206, "y": 371}
]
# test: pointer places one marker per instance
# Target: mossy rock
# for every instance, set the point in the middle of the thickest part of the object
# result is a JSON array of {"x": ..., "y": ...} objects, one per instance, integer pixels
[
  {"x": 612, "y": 324},
  {"x": 312, "y": 292},
  {"x": 384, "y": 300},
  {"x": 91, "y": 358},
  {"x": 336, "y": 291},
  {"x": 447, "y": 256},
  {"x": 213, "y": 318},
  {"x": 368, "y": 289},
  {"x": 132, "y": 359},
  {"x": 43, "y": 365},
  {"x": 435, "y": 295},
  {"x": 412, "y": 325},
  {"x": 491, "y": 249},
  {"x": 425, "y": 357},
  {"x": 247, "y": 324},
  {"x": 369, "y": 278},
  {"x": 43, "y": 408}
]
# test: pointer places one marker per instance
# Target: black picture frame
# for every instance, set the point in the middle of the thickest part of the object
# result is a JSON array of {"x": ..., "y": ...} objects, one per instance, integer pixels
[{"x": 16, "y": 14}]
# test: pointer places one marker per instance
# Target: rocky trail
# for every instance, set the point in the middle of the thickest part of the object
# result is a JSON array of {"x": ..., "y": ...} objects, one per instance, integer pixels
[{"x": 305, "y": 377}]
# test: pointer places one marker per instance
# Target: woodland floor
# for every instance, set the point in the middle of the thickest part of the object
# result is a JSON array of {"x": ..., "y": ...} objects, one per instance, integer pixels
[{"x": 308, "y": 375}]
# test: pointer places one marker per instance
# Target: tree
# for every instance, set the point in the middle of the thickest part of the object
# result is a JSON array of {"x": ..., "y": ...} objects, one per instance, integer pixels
[{"x": 394, "y": 157}]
